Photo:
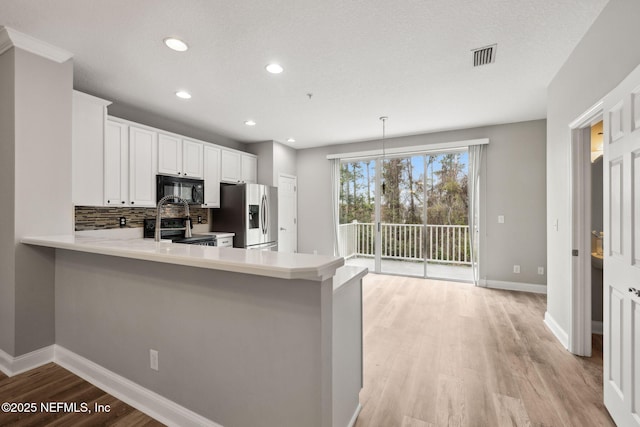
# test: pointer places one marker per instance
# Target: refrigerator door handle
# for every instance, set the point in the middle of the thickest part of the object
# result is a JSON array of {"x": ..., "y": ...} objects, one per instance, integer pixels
[{"x": 265, "y": 214}]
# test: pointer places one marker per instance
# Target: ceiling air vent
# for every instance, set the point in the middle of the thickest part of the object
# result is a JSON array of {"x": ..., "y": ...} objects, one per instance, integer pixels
[{"x": 484, "y": 55}]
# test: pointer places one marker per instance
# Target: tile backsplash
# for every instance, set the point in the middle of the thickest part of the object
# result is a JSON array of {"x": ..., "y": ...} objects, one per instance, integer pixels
[{"x": 102, "y": 218}]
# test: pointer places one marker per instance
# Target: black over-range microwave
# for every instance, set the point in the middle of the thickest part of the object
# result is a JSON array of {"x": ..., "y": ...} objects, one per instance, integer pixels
[{"x": 192, "y": 190}]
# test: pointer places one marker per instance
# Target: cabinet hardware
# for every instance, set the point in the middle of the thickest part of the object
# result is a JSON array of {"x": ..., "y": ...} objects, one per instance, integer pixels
[
  {"x": 634, "y": 291},
  {"x": 132, "y": 203},
  {"x": 108, "y": 201}
]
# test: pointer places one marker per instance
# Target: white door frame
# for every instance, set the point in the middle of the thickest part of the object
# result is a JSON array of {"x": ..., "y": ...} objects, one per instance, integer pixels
[{"x": 580, "y": 188}]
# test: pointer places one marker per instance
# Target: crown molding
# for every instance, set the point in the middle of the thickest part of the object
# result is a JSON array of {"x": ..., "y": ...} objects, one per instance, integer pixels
[{"x": 11, "y": 38}]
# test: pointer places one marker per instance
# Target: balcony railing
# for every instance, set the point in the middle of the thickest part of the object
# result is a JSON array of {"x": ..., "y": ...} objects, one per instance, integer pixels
[{"x": 447, "y": 244}]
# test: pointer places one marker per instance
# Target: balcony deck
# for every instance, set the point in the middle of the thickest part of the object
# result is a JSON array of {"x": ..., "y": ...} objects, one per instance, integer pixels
[{"x": 461, "y": 273}]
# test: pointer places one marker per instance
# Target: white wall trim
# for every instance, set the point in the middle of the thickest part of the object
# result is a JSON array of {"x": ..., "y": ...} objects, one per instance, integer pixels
[
  {"x": 355, "y": 416},
  {"x": 147, "y": 401},
  {"x": 11, "y": 366},
  {"x": 597, "y": 327},
  {"x": 11, "y": 38},
  {"x": 415, "y": 149},
  {"x": 514, "y": 286},
  {"x": 559, "y": 333}
]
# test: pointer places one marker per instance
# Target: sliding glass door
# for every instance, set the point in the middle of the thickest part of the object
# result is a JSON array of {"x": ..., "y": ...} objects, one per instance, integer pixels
[{"x": 407, "y": 215}]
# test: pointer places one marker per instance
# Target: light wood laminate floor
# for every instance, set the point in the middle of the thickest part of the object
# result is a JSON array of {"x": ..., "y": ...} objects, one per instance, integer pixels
[
  {"x": 436, "y": 354},
  {"x": 451, "y": 354}
]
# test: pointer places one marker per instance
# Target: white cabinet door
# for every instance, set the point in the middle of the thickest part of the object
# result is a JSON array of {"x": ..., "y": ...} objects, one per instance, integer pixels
[
  {"x": 192, "y": 164},
  {"x": 231, "y": 166},
  {"x": 169, "y": 155},
  {"x": 249, "y": 168},
  {"x": 142, "y": 158},
  {"x": 211, "y": 177},
  {"x": 87, "y": 142},
  {"x": 116, "y": 161},
  {"x": 622, "y": 251}
]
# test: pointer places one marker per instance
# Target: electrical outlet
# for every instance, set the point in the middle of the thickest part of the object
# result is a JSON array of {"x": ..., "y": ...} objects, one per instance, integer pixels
[
  {"x": 500, "y": 219},
  {"x": 153, "y": 359},
  {"x": 516, "y": 269},
  {"x": 540, "y": 270},
  {"x": 199, "y": 219},
  {"x": 123, "y": 221}
]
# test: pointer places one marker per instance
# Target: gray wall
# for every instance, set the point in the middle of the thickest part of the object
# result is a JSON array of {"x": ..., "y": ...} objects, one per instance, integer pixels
[
  {"x": 514, "y": 187},
  {"x": 7, "y": 212},
  {"x": 39, "y": 158},
  {"x": 605, "y": 55},
  {"x": 284, "y": 161},
  {"x": 264, "y": 151},
  {"x": 274, "y": 158},
  {"x": 237, "y": 349}
]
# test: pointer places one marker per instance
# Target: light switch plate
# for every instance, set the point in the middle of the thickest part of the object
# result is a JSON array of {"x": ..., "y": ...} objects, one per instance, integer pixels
[{"x": 500, "y": 219}]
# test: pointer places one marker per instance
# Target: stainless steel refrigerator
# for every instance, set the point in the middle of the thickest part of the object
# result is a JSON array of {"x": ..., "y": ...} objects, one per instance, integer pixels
[{"x": 251, "y": 212}]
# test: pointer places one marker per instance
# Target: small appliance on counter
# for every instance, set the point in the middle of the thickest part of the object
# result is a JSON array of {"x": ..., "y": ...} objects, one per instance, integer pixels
[
  {"x": 177, "y": 234},
  {"x": 191, "y": 190},
  {"x": 251, "y": 212}
]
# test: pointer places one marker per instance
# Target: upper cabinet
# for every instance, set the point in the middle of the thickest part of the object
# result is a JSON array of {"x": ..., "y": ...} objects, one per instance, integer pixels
[
  {"x": 181, "y": 157},
  {"x": 192, "y": 160},
  {"x": 211, "y": 177},
  {"x": 238, "y": 167},
  {"x": 249, "y": 168},
  {"x": 87, "y": 141},
  {"x": 231, "y": 166},
  {"x": 116, "y": 164},
  {"x": 142, "y": 170}
]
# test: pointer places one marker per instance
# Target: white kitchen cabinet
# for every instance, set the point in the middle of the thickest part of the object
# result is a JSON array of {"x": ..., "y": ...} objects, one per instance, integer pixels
[
  {"x": 87, "y": 141},
  {"x": 249, "y": 168},
  {"x": 238, "y": 167},
  {"x": 116, "y": 164},
  {"x": 211, "y": 177},
  {"x": 181, "y": 157},
  {"x": 231, "y": 166},
  {"x": 142, "y": 169},
  {"x": 169, "y": 155},
  {"x": 192, "y": 163}
]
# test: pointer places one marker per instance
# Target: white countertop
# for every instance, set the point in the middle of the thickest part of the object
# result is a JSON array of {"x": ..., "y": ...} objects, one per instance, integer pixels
[{"x": 261, "y": 263}]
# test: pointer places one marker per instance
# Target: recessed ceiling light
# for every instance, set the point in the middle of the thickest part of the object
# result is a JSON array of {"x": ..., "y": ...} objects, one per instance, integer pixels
[
  {"x": 250, "y": 123},
  {"x": 183, "y": 94},
  {"x": 291, "y": 140},
  {"x": 176, "y": 44},
  {"x": 274, "y": 68}
]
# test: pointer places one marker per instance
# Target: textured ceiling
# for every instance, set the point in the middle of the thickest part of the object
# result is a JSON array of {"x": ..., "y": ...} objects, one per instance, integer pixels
[{"x": 408, "y": 59}]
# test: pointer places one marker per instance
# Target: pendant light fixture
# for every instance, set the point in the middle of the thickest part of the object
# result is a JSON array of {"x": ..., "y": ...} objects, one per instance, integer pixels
[{"x": 383, "y": 119}]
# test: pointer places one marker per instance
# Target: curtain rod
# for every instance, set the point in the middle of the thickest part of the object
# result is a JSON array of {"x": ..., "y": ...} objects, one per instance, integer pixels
[{"x": 415, "y": 149}]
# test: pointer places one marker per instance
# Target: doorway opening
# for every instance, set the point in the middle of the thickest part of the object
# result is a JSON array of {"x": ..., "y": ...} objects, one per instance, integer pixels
[
  {"x": 587, "y": 233},
  {"x": 407, "y": 215}
]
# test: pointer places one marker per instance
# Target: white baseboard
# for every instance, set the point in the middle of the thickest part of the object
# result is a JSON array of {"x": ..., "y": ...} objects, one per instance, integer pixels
[
  {"x": 147, "y": 401},
  {"x": 559, "y": 333},
  {"x": 514, "y": 286},
  {"x": 597, "y": 327},
  {"x": 355, "y": 416},
  {"x": 11, "y": 366}
]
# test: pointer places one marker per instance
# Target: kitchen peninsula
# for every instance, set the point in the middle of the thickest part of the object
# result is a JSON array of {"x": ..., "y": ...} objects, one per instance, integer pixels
[{"x": 243, "y": 337}]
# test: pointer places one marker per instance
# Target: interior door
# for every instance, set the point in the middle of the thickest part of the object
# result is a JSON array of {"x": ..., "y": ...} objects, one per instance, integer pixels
[
  {"x": 622, "y": 251},
  {"x": 287, "y": 214}
]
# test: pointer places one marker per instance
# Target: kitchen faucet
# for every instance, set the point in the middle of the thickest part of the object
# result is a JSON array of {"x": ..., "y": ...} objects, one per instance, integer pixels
[{"x": 187, "y": 222}]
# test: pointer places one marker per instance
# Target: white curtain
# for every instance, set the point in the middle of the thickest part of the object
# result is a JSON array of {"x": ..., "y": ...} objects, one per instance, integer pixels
[
  {"x": 335, "y": 204},
  {"x": 475, "y": 162}
]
